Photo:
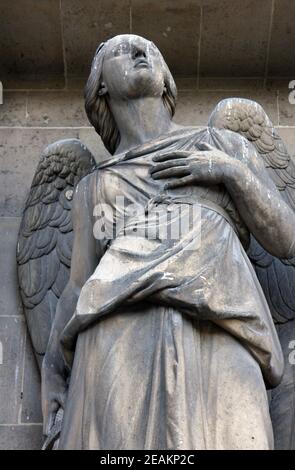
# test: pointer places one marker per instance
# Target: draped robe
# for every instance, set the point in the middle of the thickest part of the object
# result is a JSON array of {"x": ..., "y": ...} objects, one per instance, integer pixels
[{"x": 173, "y": 341}]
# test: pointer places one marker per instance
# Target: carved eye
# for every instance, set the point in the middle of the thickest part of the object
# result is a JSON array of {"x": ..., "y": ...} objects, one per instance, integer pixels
[
  {"x": 69, "y": 194},
  {"x": 122, "y": 49}
]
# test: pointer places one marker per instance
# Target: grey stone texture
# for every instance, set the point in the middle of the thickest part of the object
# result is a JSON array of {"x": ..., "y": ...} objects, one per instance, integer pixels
[
  {"x": 21, "y": 437},
  {"x": 85, "y": 25},
  {"x": 51, "y": 43},
  {"x": 10, "y": 302},
  {"x": 20, "y": 150},
  {"x": 239, "y": 40},
  {"x": 175, "y": 31},
  {"x": 31, "y": 39},
  {"x": 194, "y": 107},
  {"x": 282, "y": 58},
  {"x": 12, "y": 338},
  {"x": 19, "y": 378}
]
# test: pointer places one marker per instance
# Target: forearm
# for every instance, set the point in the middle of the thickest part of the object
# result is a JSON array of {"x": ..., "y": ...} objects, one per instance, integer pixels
[{"x": 267, "y": 216}]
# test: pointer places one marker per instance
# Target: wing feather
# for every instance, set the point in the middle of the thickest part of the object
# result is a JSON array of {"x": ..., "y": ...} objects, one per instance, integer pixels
[
  {"x": 276, "y": 276},
  {"x": 46, "y": 235},
  {"x": 248, "y": 118}
]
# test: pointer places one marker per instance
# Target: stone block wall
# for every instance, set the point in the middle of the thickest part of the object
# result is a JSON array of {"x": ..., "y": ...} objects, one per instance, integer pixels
[{"x": 52, "y": 42}]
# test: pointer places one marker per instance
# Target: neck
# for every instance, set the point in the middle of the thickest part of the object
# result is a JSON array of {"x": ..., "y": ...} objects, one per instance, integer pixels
[{"x": 140, "y": 120}]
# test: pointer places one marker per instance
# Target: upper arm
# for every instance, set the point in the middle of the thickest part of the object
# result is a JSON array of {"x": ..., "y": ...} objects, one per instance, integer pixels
[
  {"x": 254, "y": 162},
  {"x": 84, "y": 258}
]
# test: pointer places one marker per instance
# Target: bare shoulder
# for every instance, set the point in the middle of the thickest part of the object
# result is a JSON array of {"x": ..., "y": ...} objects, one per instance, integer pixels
[
  {"x": 86, "y": 182},
  {"x": 84, "y": 191}
]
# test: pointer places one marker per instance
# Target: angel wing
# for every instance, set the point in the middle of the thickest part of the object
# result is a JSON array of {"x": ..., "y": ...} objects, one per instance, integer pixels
[
  {"x": 276, "y": 276},
  {"x": 45, "y": 237}
]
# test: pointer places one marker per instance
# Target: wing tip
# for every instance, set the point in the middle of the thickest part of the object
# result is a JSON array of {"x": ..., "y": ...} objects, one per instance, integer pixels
[{"x": 65, "y": 146}]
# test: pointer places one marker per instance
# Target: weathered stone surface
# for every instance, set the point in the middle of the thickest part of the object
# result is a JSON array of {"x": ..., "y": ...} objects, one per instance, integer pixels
[
  {"x": 13, "y": 109},
  {"x": 194, "y": 108},
  {"x": 56, "y": 109},
  {"x": 30, "y": 39},
  {"x": 12, "y": 341},
  {"x": 234, "y": 38},
  {"x": 31, "y": 392},
  {"x": 86, "y": 24},
  {"x": 28, "y": 82},
  {"x": 78, "y": 83},
  {"x": 173, "y": 27},
  {"x": 19, "y": 377},
  {"x": 10, "y": 302},
  {"x": 94, "y": 143},
  {"x": 186, "y": 83},
  {"x": 287, "y": 105},
  {"x": 288, "y": 136},
  {"x": 230, "y": 84},
  {"x": 135, "y": 123},
  {"x": 282, "y": 58},
  {"x": 276, "y": 83},
  {"x": 20, "y": 150},
  {"x": 21, "y": 437}
]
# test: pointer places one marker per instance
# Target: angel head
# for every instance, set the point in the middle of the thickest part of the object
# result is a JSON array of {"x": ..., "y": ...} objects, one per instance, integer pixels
[{"x": 125, "y": 67}]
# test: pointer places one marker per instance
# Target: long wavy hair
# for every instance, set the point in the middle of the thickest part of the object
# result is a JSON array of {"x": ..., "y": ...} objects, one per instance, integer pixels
[{"x": 96, "y": 106}]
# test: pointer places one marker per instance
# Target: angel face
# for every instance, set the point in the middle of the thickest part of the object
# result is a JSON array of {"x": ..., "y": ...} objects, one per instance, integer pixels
[{"x": 132, "y": 68}]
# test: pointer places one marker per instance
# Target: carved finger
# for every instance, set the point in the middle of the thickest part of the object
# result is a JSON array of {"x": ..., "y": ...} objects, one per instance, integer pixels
[
  {"x": 171, "y": 155},
  {"x": 179, "y": 182},
  {"x": 169, "y": 164},
  {"x": 170, "y": 172},
  {"x": 205, "y": 146}
]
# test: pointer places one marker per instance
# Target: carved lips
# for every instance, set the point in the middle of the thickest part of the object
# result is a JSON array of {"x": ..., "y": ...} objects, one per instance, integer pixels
[{"x": 141, "y": 63}]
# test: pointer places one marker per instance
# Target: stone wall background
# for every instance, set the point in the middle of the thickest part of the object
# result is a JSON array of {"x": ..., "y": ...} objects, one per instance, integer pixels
[
  {"x": 51, "y": 42},
  {"x": 216, "y": 49}
]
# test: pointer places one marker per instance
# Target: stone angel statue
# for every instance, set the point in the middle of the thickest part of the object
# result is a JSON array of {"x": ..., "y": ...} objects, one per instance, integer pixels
[{"x": 155, "y": 339}]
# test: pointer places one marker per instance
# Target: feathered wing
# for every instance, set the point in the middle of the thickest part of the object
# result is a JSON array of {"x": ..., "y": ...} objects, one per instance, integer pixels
[
  {"x": 46, "y": 235},
  {"x": 276, "y": 276},
  {"x": 248, "y": 118}
]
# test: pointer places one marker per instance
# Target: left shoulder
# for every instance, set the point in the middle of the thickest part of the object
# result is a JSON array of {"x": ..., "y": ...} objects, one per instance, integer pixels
[{"x": 237, "y": 146}]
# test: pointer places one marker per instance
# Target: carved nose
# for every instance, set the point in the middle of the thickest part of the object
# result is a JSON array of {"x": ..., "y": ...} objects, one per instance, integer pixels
[{"x": 137, "y": 53}]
